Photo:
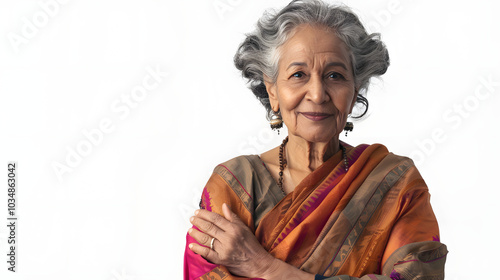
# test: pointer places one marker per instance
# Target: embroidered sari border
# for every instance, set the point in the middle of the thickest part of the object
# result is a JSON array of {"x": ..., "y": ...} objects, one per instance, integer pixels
[
  {"x": 391, "y": 178},
  {"x": 234, "y": 183}
]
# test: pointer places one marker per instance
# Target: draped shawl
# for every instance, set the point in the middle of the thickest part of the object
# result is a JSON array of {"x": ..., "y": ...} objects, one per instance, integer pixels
[{"x": 374, "y": 221}]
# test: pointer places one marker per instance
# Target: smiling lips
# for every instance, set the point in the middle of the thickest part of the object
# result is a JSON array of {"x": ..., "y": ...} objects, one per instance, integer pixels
[{"x": 316, "y": 116}]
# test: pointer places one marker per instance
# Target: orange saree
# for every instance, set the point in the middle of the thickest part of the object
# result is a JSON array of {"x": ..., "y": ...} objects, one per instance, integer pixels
[{"x": 374, "y": 221}]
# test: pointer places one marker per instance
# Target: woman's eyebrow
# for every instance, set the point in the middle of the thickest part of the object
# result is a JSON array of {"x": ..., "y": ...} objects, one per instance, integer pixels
[
  {"x": 328, "y": 65},
  {"x": 296, "y": 64},
  {"x": 337, "y": 64}
]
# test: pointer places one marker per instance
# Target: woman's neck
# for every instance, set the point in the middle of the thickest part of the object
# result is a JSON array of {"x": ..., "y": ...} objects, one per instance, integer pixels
[{"x": 307, "y": 156}]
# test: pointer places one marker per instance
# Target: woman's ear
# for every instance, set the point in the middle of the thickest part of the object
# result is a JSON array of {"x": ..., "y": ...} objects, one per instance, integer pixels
[{"x": 271, "y": 91}]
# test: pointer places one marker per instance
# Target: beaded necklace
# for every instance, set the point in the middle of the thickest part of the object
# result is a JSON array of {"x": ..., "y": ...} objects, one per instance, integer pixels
[{"x": 283, "y": 162}]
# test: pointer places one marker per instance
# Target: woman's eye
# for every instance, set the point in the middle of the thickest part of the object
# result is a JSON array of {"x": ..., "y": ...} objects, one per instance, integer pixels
[
  {"x": 298, "y": 75},
  {"x": 335, "y": 76}
]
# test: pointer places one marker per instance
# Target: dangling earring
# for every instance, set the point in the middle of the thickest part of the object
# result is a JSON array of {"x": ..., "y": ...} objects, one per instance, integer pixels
[
  {"x": 276, "y": 121},
  {"x": 349, "y": 126}
]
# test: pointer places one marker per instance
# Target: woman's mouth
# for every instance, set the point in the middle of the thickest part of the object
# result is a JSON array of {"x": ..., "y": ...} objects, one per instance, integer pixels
[{"x": 314, "y": 116}]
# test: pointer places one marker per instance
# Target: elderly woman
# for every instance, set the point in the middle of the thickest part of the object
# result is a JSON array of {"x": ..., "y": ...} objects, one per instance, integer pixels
[{"x": 314, "y": 207}]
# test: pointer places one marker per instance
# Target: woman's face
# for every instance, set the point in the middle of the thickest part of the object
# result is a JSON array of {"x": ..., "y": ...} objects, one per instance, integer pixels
[{"x": 315, "y": 88}]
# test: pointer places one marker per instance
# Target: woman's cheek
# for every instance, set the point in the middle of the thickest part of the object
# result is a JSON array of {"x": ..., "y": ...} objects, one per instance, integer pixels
[{"x": 290, "y": 120}]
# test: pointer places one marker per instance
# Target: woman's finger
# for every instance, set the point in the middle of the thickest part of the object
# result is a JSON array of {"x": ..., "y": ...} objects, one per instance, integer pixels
[
  {"x": 207, "y": 227},
  {"x": 205, "y": 252},
  {"x": 213, "y": 218},
  {"x": 202, "y": 238},
  {"x": 230, "y": 215}
]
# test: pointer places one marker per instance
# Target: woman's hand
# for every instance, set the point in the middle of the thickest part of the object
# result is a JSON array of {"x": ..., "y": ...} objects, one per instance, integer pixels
[{"x": 234, "y": 246}]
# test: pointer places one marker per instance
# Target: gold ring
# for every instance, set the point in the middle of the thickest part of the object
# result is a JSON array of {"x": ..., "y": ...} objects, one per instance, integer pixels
[{"x": 212, "y": 243}]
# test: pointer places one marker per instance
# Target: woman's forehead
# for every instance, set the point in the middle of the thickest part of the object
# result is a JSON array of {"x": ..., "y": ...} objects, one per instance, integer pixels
[{"x": 310, "y": 43}]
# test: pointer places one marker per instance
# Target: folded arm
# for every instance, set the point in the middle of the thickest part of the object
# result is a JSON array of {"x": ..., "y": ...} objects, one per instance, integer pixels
[
  {"x": 412, "y": 261},
  {"x": 413, "y": 249},
  {"x": 237, "y": 248}
]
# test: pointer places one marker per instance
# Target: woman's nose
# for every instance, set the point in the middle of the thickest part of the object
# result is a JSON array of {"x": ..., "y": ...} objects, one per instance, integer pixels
[{"x": 316, "y": 91}]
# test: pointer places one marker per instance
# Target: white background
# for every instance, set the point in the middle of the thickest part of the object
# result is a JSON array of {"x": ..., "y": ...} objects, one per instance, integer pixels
[{"x": 119, "y": 209}]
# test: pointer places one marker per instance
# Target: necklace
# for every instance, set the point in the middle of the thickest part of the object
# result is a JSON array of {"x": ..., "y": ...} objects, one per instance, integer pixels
[{"x": 283, "y": 162}]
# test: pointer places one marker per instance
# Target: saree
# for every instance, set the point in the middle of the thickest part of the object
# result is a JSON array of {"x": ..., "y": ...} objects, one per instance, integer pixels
[{"x": 374, "y": 221}]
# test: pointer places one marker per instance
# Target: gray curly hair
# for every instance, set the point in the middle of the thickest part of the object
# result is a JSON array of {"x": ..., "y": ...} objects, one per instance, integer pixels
[{"x": 258, "y": 55}]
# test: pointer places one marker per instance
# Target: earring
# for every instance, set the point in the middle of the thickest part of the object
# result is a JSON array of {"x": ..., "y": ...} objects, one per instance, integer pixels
[
  {"x": 276, "y": 121},
  {"x": 349, "y": 126}
]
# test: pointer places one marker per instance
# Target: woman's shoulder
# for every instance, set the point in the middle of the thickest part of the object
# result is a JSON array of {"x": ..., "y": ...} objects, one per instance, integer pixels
[
  {"x": 244, "y": 180},
  {"x": 380, "y": 148},
  {"x": 243, "y": 170},
  {"x": 392, "y": 163},
  {"x": 403, "y": 169},
  {"x": 238, "y": 163}
]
